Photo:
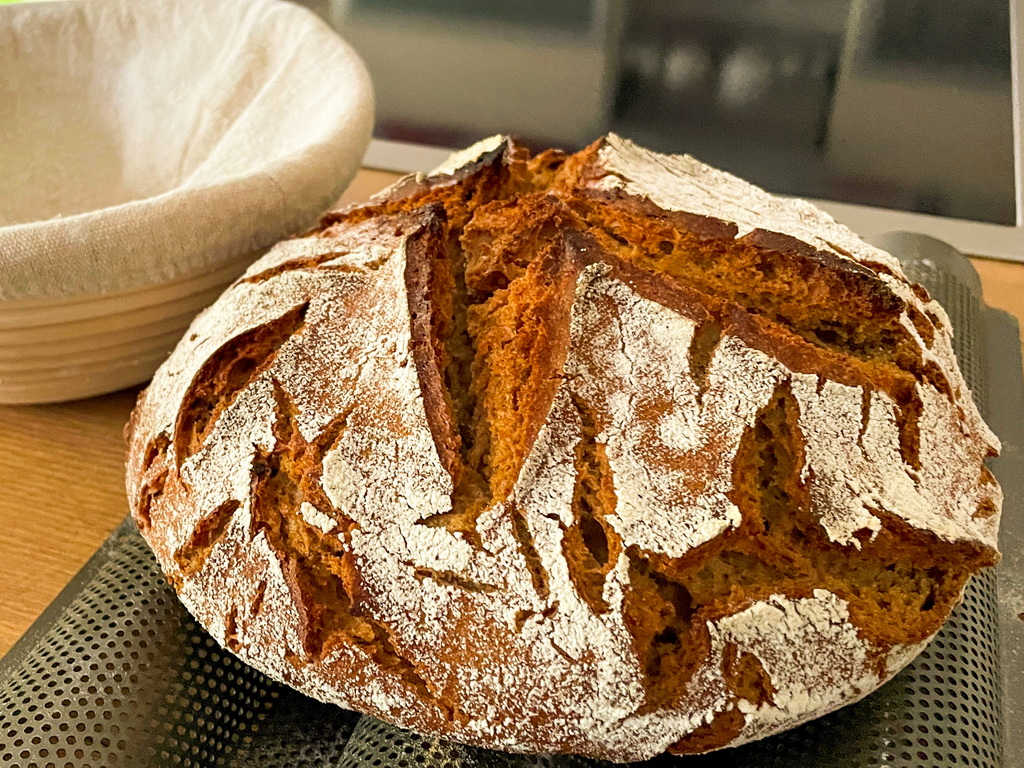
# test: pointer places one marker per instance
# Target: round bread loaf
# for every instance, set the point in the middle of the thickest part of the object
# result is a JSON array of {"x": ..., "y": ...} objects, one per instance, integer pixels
[{"x": 610, "y": 453}]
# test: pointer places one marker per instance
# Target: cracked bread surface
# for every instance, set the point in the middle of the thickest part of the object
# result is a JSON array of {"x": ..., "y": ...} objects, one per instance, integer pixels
[{"x": 609, "y": 453}]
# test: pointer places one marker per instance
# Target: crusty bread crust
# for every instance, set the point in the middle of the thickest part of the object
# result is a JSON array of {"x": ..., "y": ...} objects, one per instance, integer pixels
[{"x": 610, "y": 454}]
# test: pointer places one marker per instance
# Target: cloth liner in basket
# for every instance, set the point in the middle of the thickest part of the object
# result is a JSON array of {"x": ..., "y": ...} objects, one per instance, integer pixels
[{"x": 151, "y": 150}]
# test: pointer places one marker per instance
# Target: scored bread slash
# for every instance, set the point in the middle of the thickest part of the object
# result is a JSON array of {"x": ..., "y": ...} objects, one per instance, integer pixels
[{"x": 608, "y": 453}]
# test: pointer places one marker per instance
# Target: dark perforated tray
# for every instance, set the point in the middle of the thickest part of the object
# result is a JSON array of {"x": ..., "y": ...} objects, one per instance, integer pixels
[{"x": 116, "y": 673}]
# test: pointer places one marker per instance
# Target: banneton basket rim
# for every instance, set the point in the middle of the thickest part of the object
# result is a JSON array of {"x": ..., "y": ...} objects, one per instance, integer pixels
[{"x": 201, "y": 222}]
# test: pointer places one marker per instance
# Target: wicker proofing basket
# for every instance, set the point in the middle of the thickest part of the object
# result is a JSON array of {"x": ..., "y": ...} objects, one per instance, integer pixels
[{"x": 150, "y": 152}]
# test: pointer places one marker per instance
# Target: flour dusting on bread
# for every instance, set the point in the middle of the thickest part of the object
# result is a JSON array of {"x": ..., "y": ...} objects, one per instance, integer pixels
[{"x": 608, "y": 453}]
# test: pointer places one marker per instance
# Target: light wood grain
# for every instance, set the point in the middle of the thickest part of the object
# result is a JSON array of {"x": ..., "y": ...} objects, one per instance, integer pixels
[
  {"x": 62, "y": 466},
  {"x": 61, "y": 493},
  {"x": 366, "y": 183},
  {"x": 1002, "y": 283}
]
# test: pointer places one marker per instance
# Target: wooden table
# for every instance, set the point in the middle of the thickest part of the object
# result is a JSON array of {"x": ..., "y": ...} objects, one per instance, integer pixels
[{"x": 62, "y": 470}]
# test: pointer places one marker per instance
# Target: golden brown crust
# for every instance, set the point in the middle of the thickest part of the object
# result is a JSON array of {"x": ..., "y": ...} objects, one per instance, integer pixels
[
  {"x": 566, "y": 454},
  {"x": 429, "y": 286}
]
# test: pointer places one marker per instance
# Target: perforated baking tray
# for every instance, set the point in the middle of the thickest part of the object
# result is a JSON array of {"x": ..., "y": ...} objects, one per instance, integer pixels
[{"x": 116, "y": 673}]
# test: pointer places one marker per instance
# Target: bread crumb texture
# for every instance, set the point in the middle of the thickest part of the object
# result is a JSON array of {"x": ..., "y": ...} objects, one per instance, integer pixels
[{"x": 610, "y": 453}]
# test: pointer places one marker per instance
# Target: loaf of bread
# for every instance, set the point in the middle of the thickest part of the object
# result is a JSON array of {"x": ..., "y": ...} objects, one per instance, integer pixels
[{"x": 610, "y": 453}]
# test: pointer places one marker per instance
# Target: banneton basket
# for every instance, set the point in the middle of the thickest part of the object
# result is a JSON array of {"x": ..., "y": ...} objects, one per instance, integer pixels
[
  {"x": 150, "y": 152},
  {"x": 116, "y": 673}
]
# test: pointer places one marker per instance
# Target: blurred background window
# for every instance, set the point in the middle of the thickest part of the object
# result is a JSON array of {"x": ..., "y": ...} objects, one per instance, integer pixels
[{"x": 903, "y": 104}]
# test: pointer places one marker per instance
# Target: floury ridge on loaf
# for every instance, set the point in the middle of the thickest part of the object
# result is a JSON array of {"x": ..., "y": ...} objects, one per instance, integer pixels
[{"x": 609, "y": 453}]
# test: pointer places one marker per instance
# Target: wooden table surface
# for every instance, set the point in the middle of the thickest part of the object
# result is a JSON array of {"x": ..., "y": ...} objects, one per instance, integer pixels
[{"x": 62, "y": 470}]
